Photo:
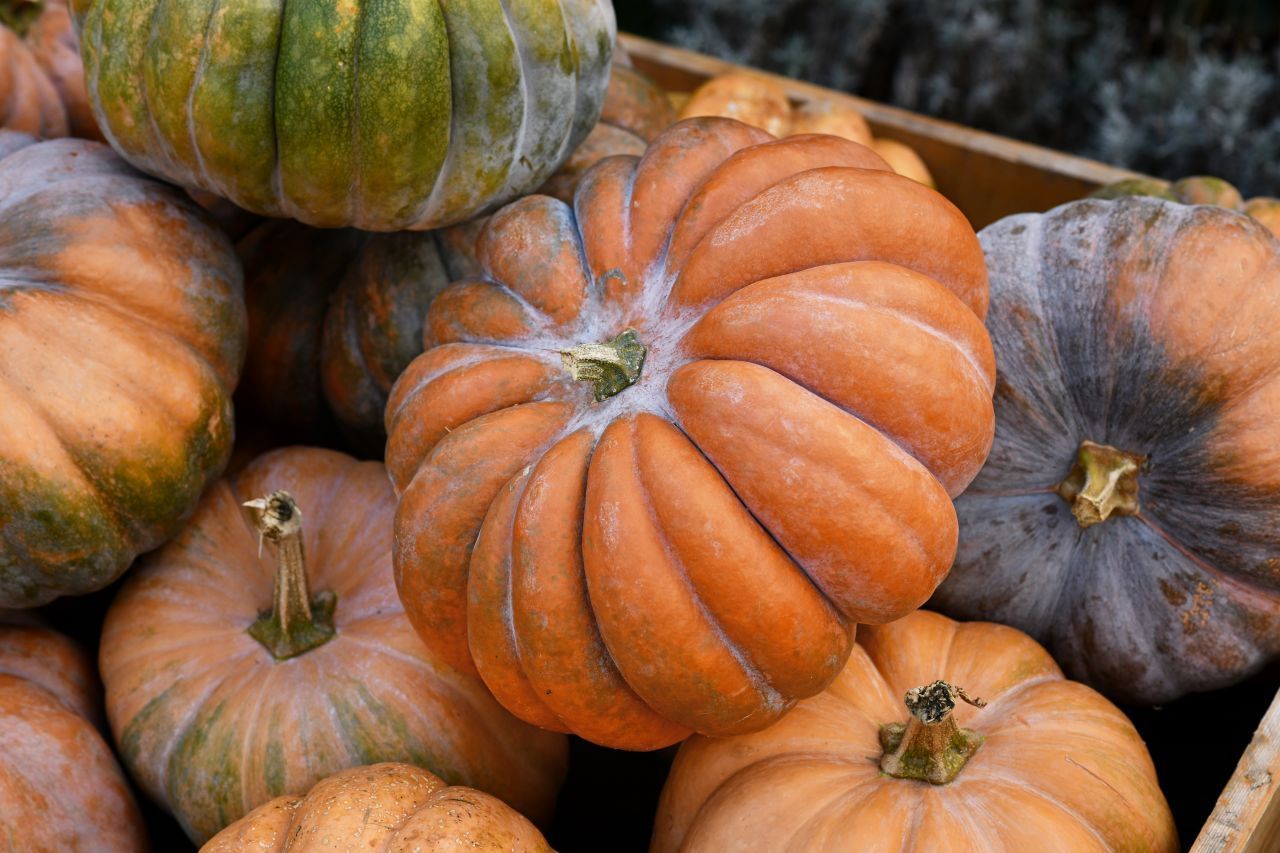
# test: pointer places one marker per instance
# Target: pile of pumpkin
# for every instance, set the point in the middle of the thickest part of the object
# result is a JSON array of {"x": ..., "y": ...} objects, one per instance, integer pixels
[{"x": 645, "y": 444}]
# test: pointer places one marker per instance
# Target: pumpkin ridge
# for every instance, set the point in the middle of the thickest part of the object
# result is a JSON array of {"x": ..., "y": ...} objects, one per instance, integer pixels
[
  {"x": 353, "y": 197},
  {"x": 201, "y": 64},
  {"x": 277, "y": 181},
  {"x": 997, "y": 780},
  {"x": 1249, "y": 586},
  {"x": 768, "y": 695},
  {"x": 161, "y": 146}
]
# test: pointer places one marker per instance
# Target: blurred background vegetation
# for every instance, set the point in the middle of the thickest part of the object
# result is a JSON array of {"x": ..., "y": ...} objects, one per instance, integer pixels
[{"x": 1169, "y": 88}]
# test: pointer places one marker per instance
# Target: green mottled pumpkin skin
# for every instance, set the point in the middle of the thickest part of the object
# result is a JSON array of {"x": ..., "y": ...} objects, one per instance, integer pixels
[
  {"x": 385, "y": 115},
  {"x": 122, "y": 334}
]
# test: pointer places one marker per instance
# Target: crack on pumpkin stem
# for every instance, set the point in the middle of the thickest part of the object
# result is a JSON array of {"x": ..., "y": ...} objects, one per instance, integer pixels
[
  {"x": 297, "y": 622},
  {"x": 611, "y": 366},
  {"x": 929, "y": 747},
  {"x": 1102, "y": 482}
]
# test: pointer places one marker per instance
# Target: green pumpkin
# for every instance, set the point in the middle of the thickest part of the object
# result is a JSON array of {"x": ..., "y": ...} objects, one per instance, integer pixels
[{"x": 380, "y": 114}]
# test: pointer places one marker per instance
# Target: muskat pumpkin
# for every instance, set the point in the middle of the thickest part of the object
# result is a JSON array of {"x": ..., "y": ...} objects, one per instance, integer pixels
[
  {"x": 41, "y": 78},
  {"x": 994, "y": 751},
  {"x": 122, "y": 332},
  {"x": 1129, "y": 516},
  {"x": 233, "y": 679},
  {"x": 393, "y": 807},
  {"x": 1198, "y": 189},
  {"x": 334, "y": 318},
  {"x": 60, "y": 787},
  {"x": 635, "y": 111},
  {"x": 385, "y": 116},
  {"x": 667, "y": 450}
]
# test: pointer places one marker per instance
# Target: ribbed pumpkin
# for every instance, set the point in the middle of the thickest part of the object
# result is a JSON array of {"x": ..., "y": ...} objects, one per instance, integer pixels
[
  {"x": 1044, "y": 764},
  {"x": 334, "y": 318},
  {"x": 229, "y": 683},
  {"x": 669, "y": 448},
  {"x": 385, "y": 116},
  {"x": 1198, "y": 189},
  {"x": 41, "y": 78},
  {"x": 122, "y": 332},
  {"x": 635, "y": 111},
  {"x": 1129, "y": 516},
  {"x": 393, "y": 807},
  {"x": 60, "y": 786}
]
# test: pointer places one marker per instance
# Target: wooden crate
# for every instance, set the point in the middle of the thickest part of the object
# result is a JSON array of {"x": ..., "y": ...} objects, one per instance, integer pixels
[{"x": 989, "y": 177}]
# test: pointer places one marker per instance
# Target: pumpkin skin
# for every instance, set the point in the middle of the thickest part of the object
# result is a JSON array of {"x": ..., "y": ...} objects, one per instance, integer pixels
[
  {"x": 394, "y": 807},
  {"x": 60, "y": 786},
  {"x": 125, "y": 301},
  {"x": 1200, "y": 189},
  {"x": 1060, "y": 769},
  {"x": 1152, "y": 328},
  {"x": 334, "y": 318},
  {"x": 610, "y": 568},
  {"x": 385, "y": 117},
  {"x": 212, "y": 725},
  {"x": 41, "y": 78}
]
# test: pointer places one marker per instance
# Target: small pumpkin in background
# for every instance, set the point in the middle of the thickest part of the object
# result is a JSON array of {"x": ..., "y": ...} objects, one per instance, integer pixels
[
  {"x": 1129, "y": 514},
  {"x": 234, "y": 677},
  {"x": 1198, "y": 189},
  {"x": 994, "y": 750},
  {"x": 759, "y": 101},
  {"x": 396, "y": 807},
  {"x": 334, "y": 318},
  {"x": 639, "y": 492},
  {"x": 384, "y": 118},
  {"x": 42, "y": 88},
  {"x": 122, "y": 333},
  {"x": 60, "y": 786}
]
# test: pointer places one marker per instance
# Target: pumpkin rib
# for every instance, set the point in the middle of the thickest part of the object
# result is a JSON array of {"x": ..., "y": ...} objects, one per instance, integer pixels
[
  {"x": 1028, "y": 786},
  {"x": 769, "y": 695},
  {"x": 202, "y": 62},
  {"x": 1250, "y": 586}
]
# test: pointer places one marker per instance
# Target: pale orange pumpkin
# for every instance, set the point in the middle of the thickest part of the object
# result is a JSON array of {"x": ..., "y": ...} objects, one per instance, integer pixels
[
  {"x": 1046, "y": 764},
  {"x": 229, "y": 684},
  {"x": 60, "y": 787},
  {"x": 663, "y": 454},
  {"x": 393, "y": 807}
]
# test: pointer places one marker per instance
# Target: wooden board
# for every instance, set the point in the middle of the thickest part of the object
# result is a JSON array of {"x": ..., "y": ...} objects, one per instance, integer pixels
[
  {"x": 1246, "y": 818},
  {"x": 987, "y": 176}
]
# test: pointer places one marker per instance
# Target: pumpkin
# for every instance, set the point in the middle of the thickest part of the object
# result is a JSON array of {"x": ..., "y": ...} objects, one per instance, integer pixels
[
  {"x": 1265, "y": 210},
  {"x": 60, "y": 786},
  {"x": 42, "y": 88},
  {"x": 389, "y": 117},
  {"x": 230, "y": 683},
  {"x": 122, "y": 332},
  {"x": 995, "y": 751},
  {"x": 334, "y": 318},
  {"x": 759, "y": 101},
  {"x": 669, "y": 448},
  {"x": 396, "y": 807},
  {"x": 1129, "y": 516},
  {"x": 635, "y": 111},
  {"x": 1200, "y": 189}
]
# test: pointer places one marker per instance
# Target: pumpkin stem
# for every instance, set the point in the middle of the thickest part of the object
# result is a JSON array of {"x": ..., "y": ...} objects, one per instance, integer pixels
[
  {"x": 296, "y": 622},
  {"x": 19, "y": 15},
  {"x": 1102, "y": 482},
  {"x": 610, "y": 367},
  {"x": 929, "y": 747}
]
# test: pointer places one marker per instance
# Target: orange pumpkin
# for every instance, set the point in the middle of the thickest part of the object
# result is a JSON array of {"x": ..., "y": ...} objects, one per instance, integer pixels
[
  {"x": 667, "y": 450},
  {"x": 122, "y": 333},
  {"x": 60, "y": 786},
  {"x": 1265, "y": 210},
  {"x": 41, "y": 76},
  {"x": 1041, "y": 764},
  {"x": 229, "y": 684},
  {"x": 385, "y": 806}
]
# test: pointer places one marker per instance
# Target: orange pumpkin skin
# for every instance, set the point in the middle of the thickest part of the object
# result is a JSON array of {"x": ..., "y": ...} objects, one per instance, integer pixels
[
  {"x": 745, "y": 97},
  {"x": 122, "y": 333},
  {"x": 212, "y": 725},
  {"x": 1060, "y": 769},
  {"x": 41, "y": 76},
  {"x": 384, "y": 806},
  {"x": 1265, "y": 210},
  {"x": 60, "y": 786},
  {"x": 689, "y": 554}
]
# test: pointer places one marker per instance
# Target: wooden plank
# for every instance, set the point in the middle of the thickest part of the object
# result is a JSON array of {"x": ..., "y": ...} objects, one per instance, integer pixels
[
  {"x": 1246, "y": 818},
  {"x": 985, "y": 175}
]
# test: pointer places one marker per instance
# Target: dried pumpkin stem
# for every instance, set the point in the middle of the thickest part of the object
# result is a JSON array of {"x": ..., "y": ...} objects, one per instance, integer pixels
[
  {"x": 929, "y": 747},
  {"x": 19, "y": 15},
  {"x": 610, "y": 367},
  {"x": 296, "y": 622},
  {"x": 1102, "y": 482}
]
